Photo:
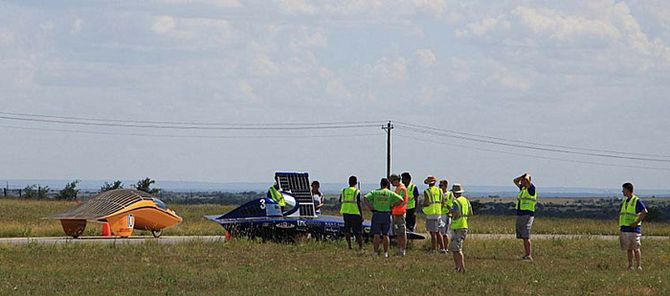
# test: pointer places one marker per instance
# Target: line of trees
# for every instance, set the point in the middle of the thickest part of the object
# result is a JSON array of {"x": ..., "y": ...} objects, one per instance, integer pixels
[{"x": 70, "y": 190}]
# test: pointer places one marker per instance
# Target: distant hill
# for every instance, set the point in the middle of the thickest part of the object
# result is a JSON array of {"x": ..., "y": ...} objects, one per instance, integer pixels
[{"x": 334, "y": 188}]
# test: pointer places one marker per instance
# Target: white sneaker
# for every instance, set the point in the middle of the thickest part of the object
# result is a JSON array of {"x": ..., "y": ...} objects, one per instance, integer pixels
[
  {"x": 386, "y": 255},
  {"x": 443, "y": 251}
]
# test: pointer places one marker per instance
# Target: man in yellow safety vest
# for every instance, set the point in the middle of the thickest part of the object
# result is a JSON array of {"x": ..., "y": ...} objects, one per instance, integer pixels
[
  {"x": 631, "y": 213},
  {"x": 525, "y": 212},
  {"x": 461, "y": 211},
  {"x": 432, "y": 207},
  {"x": 351, "y": 210},
  {"x": 412, "y": 195},
  {"x": 447, "y": 204}
]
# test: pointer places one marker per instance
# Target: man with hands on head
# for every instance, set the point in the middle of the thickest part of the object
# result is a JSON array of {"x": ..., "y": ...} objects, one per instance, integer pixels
[{"x": 525, "y": 212}]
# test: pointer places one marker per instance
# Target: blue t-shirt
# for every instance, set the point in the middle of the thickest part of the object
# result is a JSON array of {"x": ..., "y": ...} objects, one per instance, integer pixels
[
  {"x": 416, "y": 192},
  {"x": 531, "y": 191},
  {"x": 639, "y": 207}
]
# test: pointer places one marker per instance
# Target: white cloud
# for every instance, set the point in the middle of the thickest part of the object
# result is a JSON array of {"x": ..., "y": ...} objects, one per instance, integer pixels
[
  {"x": 434, "y": 7},
  {"x": 426, "y": 57},
  {"x": 215, "y": 3},
  {"x": 607, "y": 26},
  {"x": 389, "y": 69},
  {"x": 163, "y": 24},
  {"x": 511, "y": 81},
  {"x": 333, "y": 86},
  {"x": 48, "y": 25},
  {"x": 76, "y": 26},
  {"x": 263, "y": 66},
  {"x": 193, "y": 32},
  {"x": 297, "y": 7},
  {"x": 554, "y": 25},
  {"x": 248, "y": 91},
  {"x": 485, "y": 26},
  {"x": 6, "y": 36},
  {"x": 308, "y": 40}
]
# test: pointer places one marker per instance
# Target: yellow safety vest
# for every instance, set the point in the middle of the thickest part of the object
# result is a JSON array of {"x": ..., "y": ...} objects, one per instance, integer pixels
[
  {"x": 627, "y": 213},
  {"x": 349, "y": 203},
  {"x": 434, "y": 195},
  {"x": 525, "y": 201},
  {"x": 411, "y": 199},
  {"x": 277, "y": 196},
  {"x": 465, "y": 210},
  {"x": 448, "y": 202}
]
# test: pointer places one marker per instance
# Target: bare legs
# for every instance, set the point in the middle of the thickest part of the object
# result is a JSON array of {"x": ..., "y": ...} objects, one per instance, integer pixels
[
  {"x": 637, "y": 254},
  {"x": 402, "y": 242},
  {"x": 378, "y": 238},
  {"x": 359, "y": 240},
  {"x": 436, "y": 239},
  {"x": 459, "y": 261},
  {"x": 528, "y": 247},
  {"x": 638, "y": 258}
]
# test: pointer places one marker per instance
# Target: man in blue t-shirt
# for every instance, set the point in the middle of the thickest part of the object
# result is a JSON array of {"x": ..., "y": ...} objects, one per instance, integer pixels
[{"x": 631, "y": 213}]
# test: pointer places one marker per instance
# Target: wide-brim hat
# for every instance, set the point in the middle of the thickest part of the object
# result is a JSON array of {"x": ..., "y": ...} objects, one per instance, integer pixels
[
  {"x": 457, "y": 188},
  {"x": 430, "y": 180}
]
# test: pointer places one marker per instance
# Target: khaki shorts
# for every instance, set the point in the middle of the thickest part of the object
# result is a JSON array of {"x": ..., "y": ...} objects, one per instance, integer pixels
[
  {"x": 457, "y": 238},
  {"x": 523, "y": 226},
  {"x": 434, "y": 224},
  {"x": 399, "y": 226},
  {"x": 446, "y": 223},
  {"x": 630, "y": 240}
]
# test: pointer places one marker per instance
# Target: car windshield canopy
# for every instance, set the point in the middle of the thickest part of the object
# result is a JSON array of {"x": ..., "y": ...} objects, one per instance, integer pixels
[{"x": 160, "y": 203}]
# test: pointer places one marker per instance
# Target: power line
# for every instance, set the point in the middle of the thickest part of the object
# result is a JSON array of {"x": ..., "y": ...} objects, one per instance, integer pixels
[
  {"x": 191, "y": 127},
  {"x": 221, "y": 126},
  {"x": 191, "y": 136},
  {"x": 531, "y": 155},
  {"x": 529, "y": 142},
  {"x": 442, "y": 134},
  {"x": 190, "y": 123}
]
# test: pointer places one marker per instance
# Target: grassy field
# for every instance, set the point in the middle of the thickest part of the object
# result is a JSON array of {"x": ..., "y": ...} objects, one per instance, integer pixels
[
  {"x": 25, "y": 218},
  {"x": 242, "y": 267}
]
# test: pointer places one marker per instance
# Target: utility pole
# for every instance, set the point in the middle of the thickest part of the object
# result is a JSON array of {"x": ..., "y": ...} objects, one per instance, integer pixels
[{"x": 388, "y": 127}]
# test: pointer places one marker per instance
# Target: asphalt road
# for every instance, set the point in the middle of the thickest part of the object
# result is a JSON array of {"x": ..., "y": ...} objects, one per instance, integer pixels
[{"x": 181, "y": 239}]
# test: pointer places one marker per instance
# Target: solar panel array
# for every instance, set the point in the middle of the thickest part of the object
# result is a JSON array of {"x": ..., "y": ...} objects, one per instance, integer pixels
[
  {"x": 104, "y": 204},
  {"x": 298, "y": 184}
]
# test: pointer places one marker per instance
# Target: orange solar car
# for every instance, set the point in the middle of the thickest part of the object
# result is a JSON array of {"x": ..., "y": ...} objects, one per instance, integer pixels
[{"x": 124, "y": 210}]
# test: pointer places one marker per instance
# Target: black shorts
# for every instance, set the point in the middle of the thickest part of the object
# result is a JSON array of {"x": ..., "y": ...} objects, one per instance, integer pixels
[{"x": 353, "y": 224}]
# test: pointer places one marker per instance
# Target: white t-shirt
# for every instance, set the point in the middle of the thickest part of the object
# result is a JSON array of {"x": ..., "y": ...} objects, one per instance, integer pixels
[{"x": 317, "y": 201}]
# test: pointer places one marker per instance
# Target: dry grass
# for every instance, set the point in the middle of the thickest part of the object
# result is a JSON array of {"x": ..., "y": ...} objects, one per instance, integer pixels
[{"x": 241, "y": 267}]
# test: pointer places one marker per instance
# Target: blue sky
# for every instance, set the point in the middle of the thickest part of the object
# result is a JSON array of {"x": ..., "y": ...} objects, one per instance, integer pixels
[{"x": 581, "y": 73}]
